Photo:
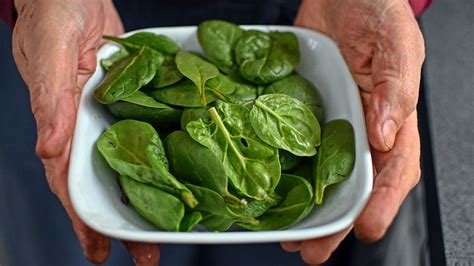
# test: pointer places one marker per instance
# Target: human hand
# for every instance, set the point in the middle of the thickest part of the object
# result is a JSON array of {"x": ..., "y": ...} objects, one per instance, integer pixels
[
  {"x": 54, "y": 46},
  {"x": 384, "y": 49}
]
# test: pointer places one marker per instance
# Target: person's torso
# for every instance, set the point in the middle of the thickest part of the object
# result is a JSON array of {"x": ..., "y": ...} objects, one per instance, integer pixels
[{"x": 146, "y": 13}]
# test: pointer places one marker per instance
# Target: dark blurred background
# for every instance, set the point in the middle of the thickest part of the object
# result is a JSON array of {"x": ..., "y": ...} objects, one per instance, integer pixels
[{"x": 34, "y": 229}]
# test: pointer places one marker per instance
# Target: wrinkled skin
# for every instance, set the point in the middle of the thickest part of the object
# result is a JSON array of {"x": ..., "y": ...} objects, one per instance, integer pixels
[
  {"x": 383, "y": 46},
  {"x": 54, "y": 45}
]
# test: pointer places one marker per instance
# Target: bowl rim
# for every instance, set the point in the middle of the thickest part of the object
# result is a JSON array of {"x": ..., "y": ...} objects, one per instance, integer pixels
[{"x": 229, "y": 237}]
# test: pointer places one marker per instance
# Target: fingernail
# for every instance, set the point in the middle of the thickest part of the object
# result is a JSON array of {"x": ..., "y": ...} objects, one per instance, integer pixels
[{"x": 389, "y": 131}]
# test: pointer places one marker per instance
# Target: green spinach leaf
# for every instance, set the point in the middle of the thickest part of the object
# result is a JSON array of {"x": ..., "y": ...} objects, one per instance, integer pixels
[
  {"x": 193, "y": 163},
  {"x": 261, "y": 90},
  {"x": 156, "y": 206},
  {"x": 266, "y": 57},
  {"x": 221, "y": 85},
  {"x": 193, "y": 114},
  {"x": 168, "y": 74},
  {"x": 297, "y": 203},
  {"x": 219, "y": 217},
  {"x": 141, "y": 98},
  {"x": 288, "y": 161},
  {"x": 189, "y": 221},
  {"x": 217, "y": 39},
  {"x": 244, "y": 93},
  {"x": 135, "y": 42},
  {"x": 134, "y": 149},
  {"x": 336, "y": 156},
  {"x": 129, "y": 75},
  {"x": 256, "y": 208},
  {"x": 286, "y": 123},
  {"x": 107, "y": 63},
  {"x": 251, "y": 165},
  {"x": 198, "y": 70},
  {"x": 140, "y": 106},
  {"x": 184, "y": 93},
  {"x": 301, "y": 89}
]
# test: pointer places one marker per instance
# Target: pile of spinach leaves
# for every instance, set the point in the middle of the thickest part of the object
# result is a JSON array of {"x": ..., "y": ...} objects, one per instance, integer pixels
[{"x": 235, "y": 139}]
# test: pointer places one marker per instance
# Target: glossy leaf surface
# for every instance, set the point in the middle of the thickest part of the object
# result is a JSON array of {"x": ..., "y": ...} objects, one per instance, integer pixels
[
  {"x": 198, "y": 70},
  {"x": 140, "y": 106},
  {"x": 266, "y": 57},
  {"x": 217, "y": 216},
  {"x": 301, "y": 89},
  {"x": 217, "y": 39},
  {"x": 196, "y": 164},
  {"x": 297, "y": 203},
  {"x": 251, "y": 165},
  {"x": 286, "y": 123},
  {"x": 336, "y": 157},
  {"x": 161, "y": 209},
  {"x": 129, "y": 75},
  {"x": 134, "y": 149},
  {"x": 158, "y": 42}
]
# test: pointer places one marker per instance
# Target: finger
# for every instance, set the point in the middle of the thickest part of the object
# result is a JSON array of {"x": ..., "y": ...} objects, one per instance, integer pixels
[
  {"x": 96, "y": 246},
  {"x": 317, "y": 251},
  {"x": 396, "y": 71},
  {"x": 398, "y": 173},
  {"x": 291, "y": 246},
  {"x": 144, "y": 254}
]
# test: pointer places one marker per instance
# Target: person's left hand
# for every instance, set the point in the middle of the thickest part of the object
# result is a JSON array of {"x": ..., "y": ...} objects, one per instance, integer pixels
[{"x": 384, "y": 49}]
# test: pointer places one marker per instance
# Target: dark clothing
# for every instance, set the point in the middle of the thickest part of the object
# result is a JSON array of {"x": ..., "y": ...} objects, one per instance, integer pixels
[{"x": 7, "y": 12}]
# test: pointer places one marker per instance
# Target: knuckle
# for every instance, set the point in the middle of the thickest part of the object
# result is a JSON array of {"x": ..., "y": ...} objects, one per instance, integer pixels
[
  {"x": 45, "y": 150},
  {"x": 41, "y": 151}
]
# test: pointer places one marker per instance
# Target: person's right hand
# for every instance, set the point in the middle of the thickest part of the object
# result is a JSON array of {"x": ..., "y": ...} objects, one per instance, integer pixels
[{"x": 54, "y": 46}]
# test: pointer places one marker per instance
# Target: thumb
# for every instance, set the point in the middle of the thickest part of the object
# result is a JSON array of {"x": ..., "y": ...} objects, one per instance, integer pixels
[{"x": 396, "y": 72}]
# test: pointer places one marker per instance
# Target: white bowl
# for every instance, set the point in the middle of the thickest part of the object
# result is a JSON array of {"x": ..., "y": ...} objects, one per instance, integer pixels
[{"x": 95, "y": 194}]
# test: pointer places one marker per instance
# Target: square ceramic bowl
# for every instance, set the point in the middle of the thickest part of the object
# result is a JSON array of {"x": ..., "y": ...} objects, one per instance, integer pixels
[{"x": 95, "y": 193}]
